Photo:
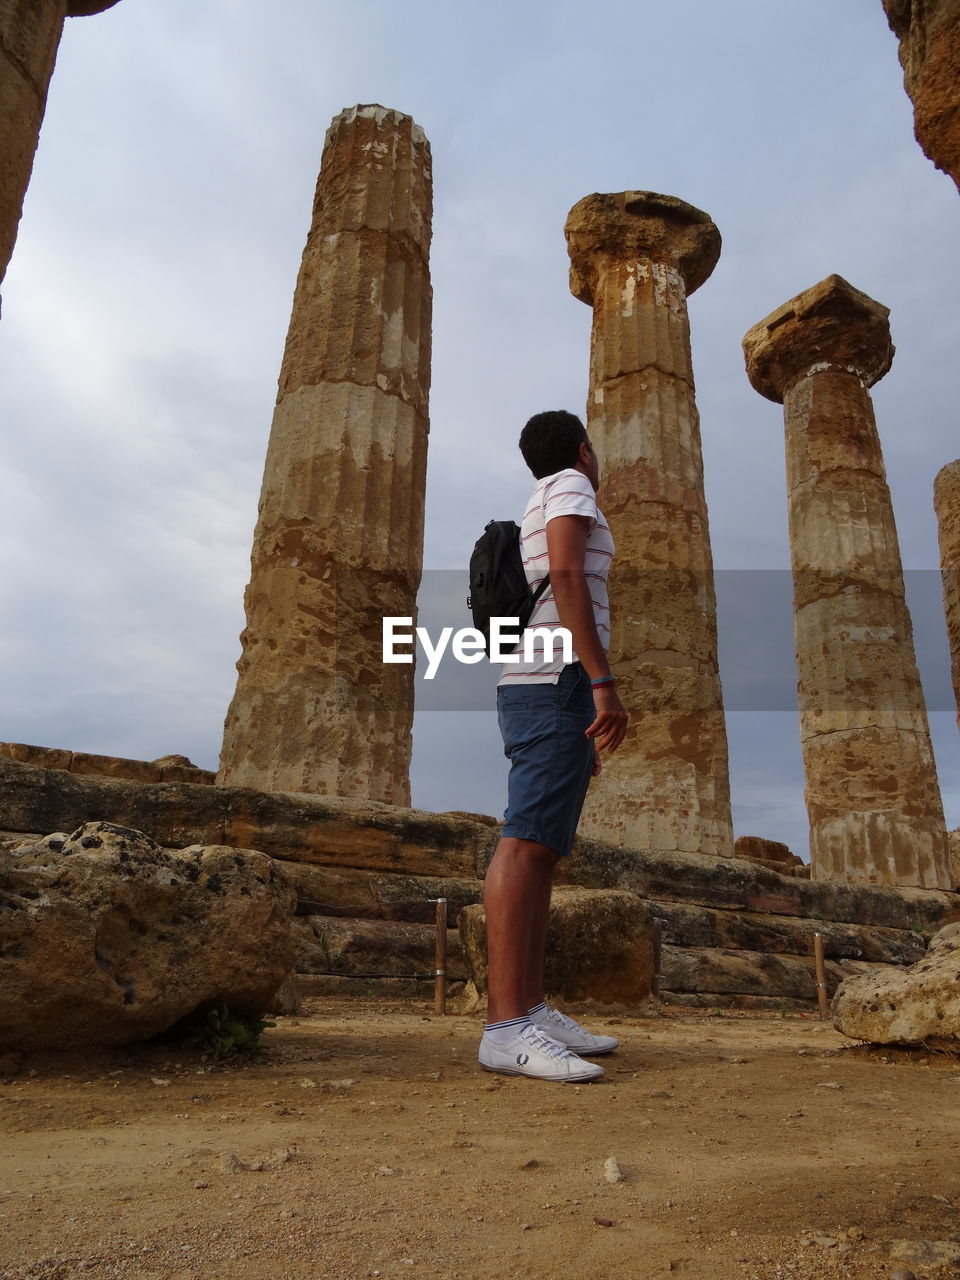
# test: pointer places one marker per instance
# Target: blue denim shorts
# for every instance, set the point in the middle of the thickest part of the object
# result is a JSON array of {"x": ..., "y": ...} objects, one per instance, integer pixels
[{"x": 551, "y": 761}]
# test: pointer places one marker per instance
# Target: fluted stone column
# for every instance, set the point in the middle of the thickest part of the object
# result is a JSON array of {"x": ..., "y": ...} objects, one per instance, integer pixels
[
  {"x": 339, "y": 539},
  {"x": 946, "y": 500},
  {"x": 635, "y": 257},
  {"x": 876, "y": 815},
  {"x": 929, "y": 35},
  {"x": 30, "y": 33}
]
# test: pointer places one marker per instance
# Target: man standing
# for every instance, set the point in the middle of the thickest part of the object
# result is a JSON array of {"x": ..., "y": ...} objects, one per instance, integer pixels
[{"x": 555, "y": 719}]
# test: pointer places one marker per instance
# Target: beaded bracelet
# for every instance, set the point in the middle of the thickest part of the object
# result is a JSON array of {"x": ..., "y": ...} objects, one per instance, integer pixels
[{"x": 601, "y": 680}]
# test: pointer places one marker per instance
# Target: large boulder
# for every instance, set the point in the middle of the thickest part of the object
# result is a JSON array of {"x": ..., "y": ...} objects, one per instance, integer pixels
[
  {"x": 106, "y": 939},
  {"x": 599, "y": 946},
  {"x": 917, "y": 1005}
]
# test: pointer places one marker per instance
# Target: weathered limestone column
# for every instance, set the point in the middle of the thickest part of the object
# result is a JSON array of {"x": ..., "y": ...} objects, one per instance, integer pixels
[
  {"x": 30, "y": 33},
  {"x": 929, "y": 35},
  {"x": 946, "y": 500},
  {"x": 876, "y": 815},
  {"x": 339, "y": 539},
  {"x": 635, "y": 257}
]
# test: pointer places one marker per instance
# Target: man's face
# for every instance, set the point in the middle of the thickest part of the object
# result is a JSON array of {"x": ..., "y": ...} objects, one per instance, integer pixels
[{"x": 591, "y": 464}]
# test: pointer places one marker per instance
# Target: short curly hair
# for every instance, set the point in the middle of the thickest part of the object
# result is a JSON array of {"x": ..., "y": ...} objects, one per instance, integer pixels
[{"x": 551, "y": 441}]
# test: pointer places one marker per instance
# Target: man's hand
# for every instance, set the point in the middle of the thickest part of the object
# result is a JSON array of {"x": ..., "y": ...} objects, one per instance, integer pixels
[{"x": 610, "y": 725}]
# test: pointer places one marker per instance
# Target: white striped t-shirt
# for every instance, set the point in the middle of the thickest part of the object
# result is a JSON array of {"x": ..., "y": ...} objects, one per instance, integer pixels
[{"x": 565, "y": 493}]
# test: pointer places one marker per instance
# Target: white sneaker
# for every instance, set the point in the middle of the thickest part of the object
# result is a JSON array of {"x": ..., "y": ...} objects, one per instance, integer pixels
[
  {"x": 570, "y": 1033},
  {"x": 533, "y": 1053}
]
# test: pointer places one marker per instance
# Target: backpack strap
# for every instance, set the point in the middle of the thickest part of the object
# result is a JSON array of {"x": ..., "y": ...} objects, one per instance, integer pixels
[{"x": 539, "y": 592}]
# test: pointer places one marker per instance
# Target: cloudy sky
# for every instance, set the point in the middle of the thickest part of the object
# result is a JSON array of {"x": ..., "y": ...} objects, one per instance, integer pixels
[{"x": 145, "y": 310}]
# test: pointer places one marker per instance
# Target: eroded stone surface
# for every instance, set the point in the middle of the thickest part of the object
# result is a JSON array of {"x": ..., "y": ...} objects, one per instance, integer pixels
[
  {"x": 929, "y": 34},
  {"x": 917, "y": 1005},
  {"x": 765, "y": 850},
  {"x": 339, "y": 539},
  {"x": 29, "y": 37},
  {"x": 105, "y": 938},
  {"x": 172, "y": 768},
  {"x": 946, "y": 498},
  {"x": 701, "y": 970},
  {"x": 635, "y": 256},
  {"x": 347, "y": 948},
  {"x": 831, "y": 323},
  {"x": 328, "y": 831},
  {"x": 346, "y": 891},
  {"x": 599, "y": 946},
  {"x": 30, "y": 33},
  {"x": 876, "y": 816}
]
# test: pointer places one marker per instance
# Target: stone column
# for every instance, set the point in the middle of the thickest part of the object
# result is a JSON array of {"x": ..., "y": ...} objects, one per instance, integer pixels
[
  {"x": 946, "y": 500},
  {"x": 30, "y": 33},
  {"x": 339, "y": 539},
  {"x": 929, "y": 35},
  {"x": 876, "y": 815},
  {"x": 635, "y": 258}
]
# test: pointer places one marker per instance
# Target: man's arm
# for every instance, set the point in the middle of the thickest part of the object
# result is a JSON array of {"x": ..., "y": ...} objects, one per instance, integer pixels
[{"x": 566, "y": 550}]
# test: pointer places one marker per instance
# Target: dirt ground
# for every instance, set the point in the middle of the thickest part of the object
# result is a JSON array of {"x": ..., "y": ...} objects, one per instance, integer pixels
[{"x": 368, "y": 1143}]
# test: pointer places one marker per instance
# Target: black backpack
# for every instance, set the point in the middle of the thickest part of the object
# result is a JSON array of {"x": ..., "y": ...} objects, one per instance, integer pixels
[{"x": 498, "y": 584}]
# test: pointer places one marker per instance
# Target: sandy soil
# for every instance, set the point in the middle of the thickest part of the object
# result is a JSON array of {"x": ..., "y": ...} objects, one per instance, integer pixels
[{"x": 368, "y": 1143}]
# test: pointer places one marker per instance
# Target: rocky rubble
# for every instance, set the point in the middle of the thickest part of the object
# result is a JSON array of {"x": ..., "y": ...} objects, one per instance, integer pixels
[{"x": 106, "y": 939}]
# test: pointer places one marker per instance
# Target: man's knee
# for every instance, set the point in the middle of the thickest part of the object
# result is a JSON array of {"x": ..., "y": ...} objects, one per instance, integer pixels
[{"x": 526, "y": 853}]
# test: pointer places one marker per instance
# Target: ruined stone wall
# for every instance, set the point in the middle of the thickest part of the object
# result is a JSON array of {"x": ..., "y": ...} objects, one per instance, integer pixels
[{"x": 735, "y": 931}]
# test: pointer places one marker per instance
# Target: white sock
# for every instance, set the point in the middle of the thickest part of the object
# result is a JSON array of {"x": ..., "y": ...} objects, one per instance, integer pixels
[
  {"x": 538, "y": 1010},
  {"x": 501, "y": 1032}
]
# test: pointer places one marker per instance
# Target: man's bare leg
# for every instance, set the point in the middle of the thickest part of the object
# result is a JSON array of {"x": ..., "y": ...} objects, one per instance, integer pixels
[
  {"x": 534, "y": 993},
  {"x": 516, "y": 895}
]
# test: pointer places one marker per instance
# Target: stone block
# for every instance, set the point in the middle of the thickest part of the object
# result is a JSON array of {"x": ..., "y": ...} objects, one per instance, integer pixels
[
  {"x": 703, "y": 970},
  {"x": 346, "y": 891},
  {"x": 919, "y": 1005},
  {"x": 295, "y": 827},
  {"x": 686, "y": 925},
  {"x": 764, "y": 850},
  {"x": 107, "y": 939},
  {"x": 599, "y": 946},
  {"x": 742, "y": 885},
  {"x": 373, "y": 949},
  {"x": 83, "y": 762}
]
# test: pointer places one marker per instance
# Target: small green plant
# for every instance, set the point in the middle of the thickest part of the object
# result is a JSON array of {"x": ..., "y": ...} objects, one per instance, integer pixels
[
  {"x": 226, "y": 1033},
  {"x": 719, "y": 1013}
]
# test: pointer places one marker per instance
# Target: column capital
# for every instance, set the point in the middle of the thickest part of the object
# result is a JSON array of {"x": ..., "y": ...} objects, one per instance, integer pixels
[
  {"x": 632, "y": 225},
  {"x": 832, "y": 324},
  {"x": 84, "y": 8}
]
